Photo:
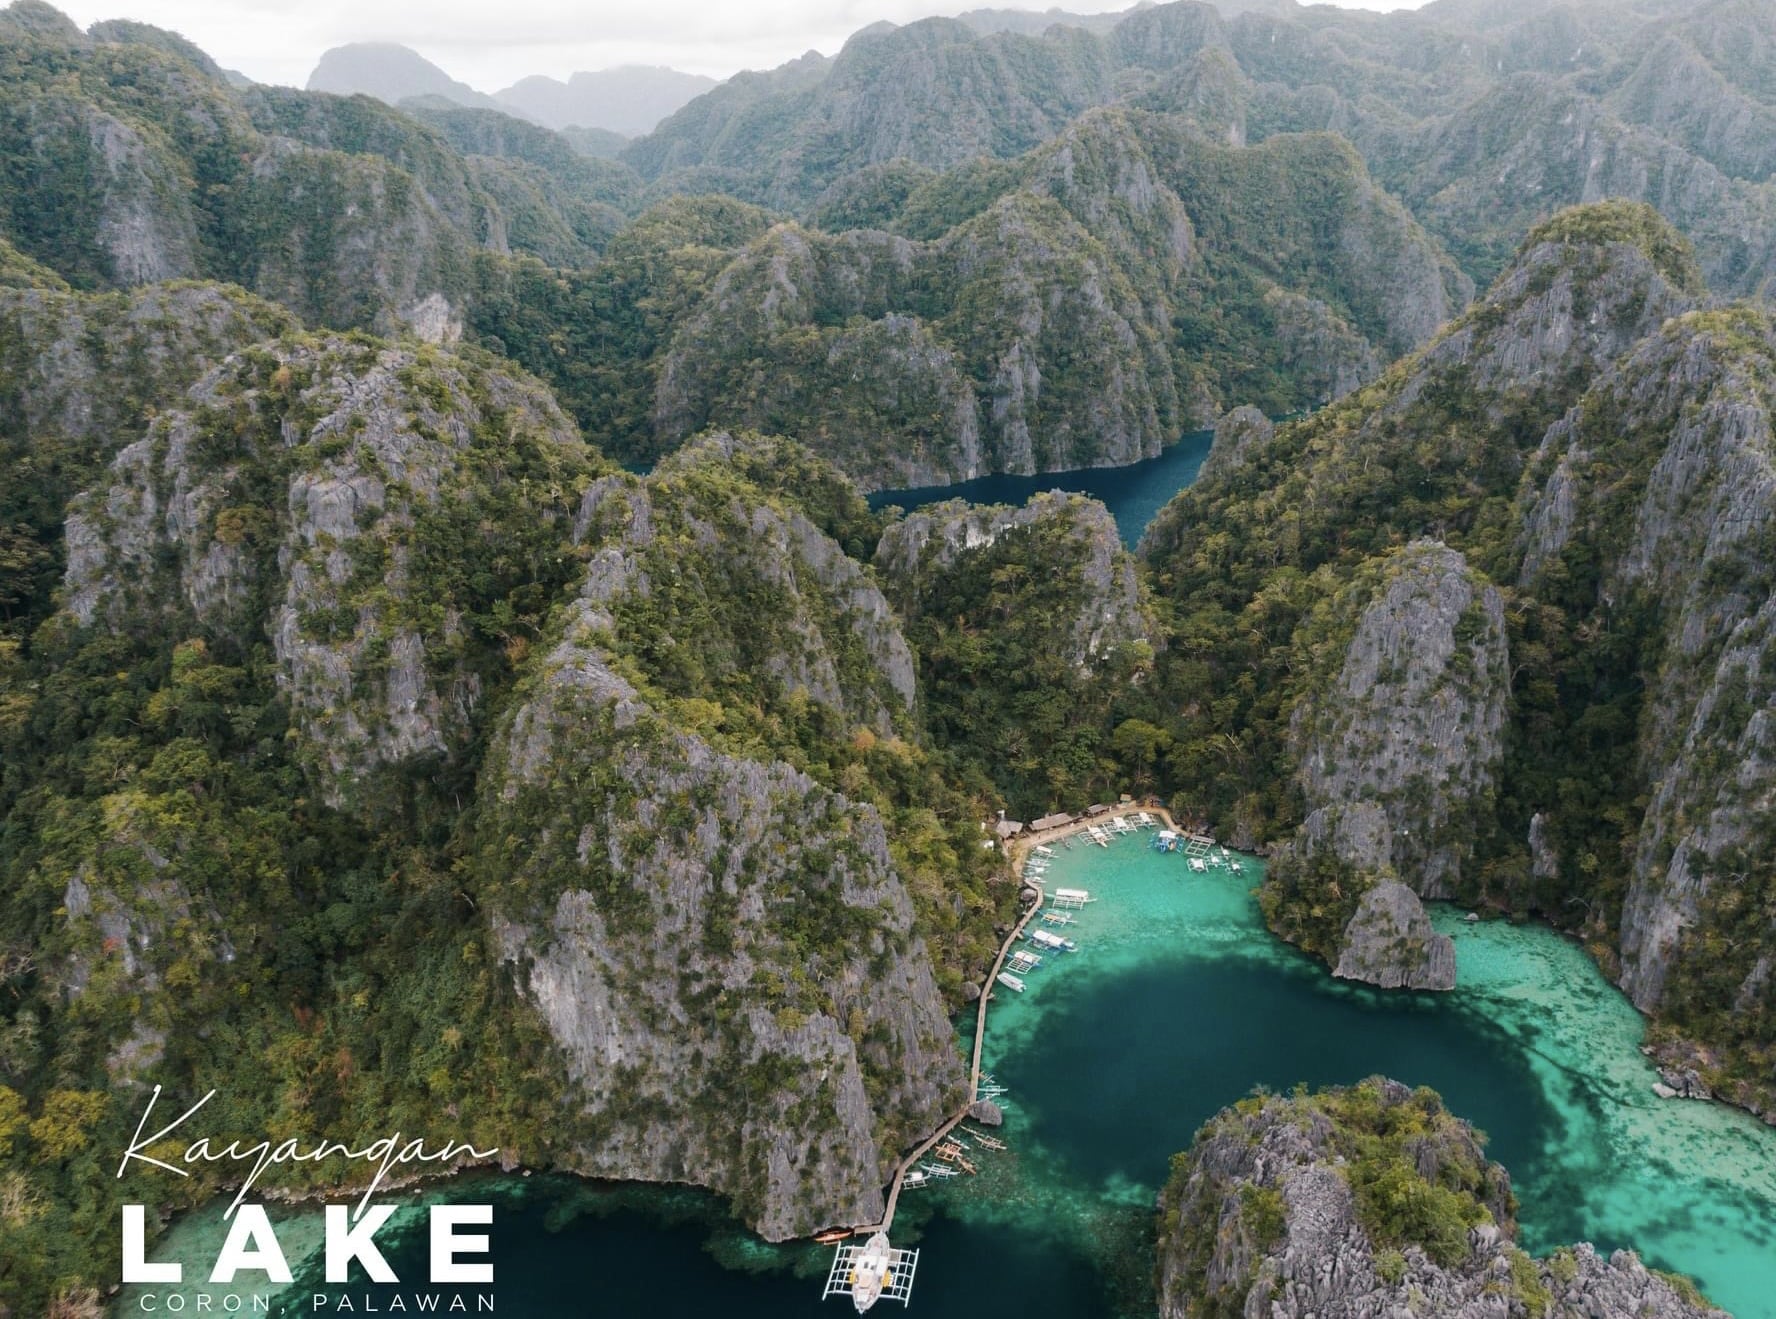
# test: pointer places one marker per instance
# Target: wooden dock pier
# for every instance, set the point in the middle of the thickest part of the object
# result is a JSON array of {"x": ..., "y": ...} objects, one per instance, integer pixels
[{"x": 1016, "y": 852}]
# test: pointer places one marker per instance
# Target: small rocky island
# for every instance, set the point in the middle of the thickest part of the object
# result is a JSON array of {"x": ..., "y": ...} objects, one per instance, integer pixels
[{"x": 1371, "y": 1201}]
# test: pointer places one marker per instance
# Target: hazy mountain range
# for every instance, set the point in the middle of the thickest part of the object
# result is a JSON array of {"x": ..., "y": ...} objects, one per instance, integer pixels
[{"x": 628, "y": 101}]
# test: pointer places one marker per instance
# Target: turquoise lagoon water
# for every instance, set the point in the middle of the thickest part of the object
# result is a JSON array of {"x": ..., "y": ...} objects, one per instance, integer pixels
[
  {"x": 1178, "y": 1003},
  {"x": 1133, "y": 494}
]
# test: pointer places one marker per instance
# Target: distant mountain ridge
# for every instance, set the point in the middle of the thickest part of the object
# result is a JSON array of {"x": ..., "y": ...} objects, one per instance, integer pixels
[{"x": 629, "y": 100}]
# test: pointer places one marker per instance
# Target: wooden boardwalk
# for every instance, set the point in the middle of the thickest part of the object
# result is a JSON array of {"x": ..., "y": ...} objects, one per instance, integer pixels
[{"x": 1018, "y": 849}]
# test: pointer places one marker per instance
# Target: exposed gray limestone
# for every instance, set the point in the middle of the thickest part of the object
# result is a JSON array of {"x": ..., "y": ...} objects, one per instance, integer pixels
[
  {"x": 1560, "y": 308},
  {"x": 380, "y": 450},
  {"x": 987, "y": 1113},
  {"x": 1694, "y": 414},
  {"x": 1237, "y": 435},
  {"x": 1390, "y": 943},
  {"x": 1412, "y": 723},
  {"x": 1322, "y": 1262},
  {"x": 677, "y": 884}
]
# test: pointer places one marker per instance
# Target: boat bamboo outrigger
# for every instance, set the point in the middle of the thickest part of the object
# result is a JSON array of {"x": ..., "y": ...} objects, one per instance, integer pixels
[
  {"x": 872, "y": 1272},
  {"x": 1011, "y": 982},
  {"x": 1053, "y": 942},
  {"x": 1071, "y": 899}
]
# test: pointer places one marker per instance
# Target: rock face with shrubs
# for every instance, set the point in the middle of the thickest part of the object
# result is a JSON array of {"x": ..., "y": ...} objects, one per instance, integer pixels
[{"x": 1369, "y": 1201}]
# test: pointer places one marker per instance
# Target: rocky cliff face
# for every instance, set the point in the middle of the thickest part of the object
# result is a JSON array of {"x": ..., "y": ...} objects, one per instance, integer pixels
[
  {"x": 1614, "y": 478},
  {"x": 1689, "y": 413},
  {"x": 1110, "y": 609},
  {"x": 1389, "y": 942},
  {"x": 145, "y": 165},
  {"x": 83, "y": 368},
  {"x": 322, "y": 493},
  {"x": 1236, "y": 435},
  {"x": 1280, "y": 1207},
  {"x": 1412, "y": 725},
  {"x": 721, "y": 946},
  {"x": 920, "y": 363},
  {"x": 1398, "y": 755}
]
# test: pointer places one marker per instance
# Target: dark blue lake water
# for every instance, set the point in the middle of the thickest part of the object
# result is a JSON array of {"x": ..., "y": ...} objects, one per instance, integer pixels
[{"x": 1133, "y": 494}]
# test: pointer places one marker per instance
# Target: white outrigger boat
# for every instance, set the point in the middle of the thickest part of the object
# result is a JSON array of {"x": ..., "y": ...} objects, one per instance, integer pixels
[
  {"x": 872, "y": 1272},
  {"x": 1053, "y": 942},
  {"x": 1014, "y": 983}
]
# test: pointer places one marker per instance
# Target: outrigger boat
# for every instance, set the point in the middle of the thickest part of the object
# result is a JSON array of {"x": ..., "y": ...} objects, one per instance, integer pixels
[
  {"x": 951, "y": 1152},
  {"x": 872, "y": 1271},
  {"x": 1014, "y": 983},
  {"x": 936, "y": 1170},
  {"x": 987, "y": 1142},
  {"x": 1053, "y": 942}
]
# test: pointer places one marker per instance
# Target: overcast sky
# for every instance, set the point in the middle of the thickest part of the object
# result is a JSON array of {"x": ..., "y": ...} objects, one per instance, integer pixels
[{"x": 491, "y": 45}]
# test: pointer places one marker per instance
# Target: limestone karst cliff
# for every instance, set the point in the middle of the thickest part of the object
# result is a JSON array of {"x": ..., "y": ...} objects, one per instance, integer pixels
[
  {"x": 1594, "y": 458},
  {"x": 1365, "y": 1200}
]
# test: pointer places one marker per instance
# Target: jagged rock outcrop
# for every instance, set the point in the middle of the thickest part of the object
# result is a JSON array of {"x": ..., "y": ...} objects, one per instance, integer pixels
[
  {"x": 721, "y": 946},
  {"x": 333, "y": 495},
  {"x": 1586, "y": 287},
  {"x": 1606, "y": 449},
  {"x": 1389, "y": 942},
  {"x": 916, "y": 554},
  {"x": 840, "y": 339},
  {"x": 1412, "y": 723},
  {"x": 1236, "y": 435},
  {"x": 1280, "y": 1206},
  {"x": 84, "y": 368}
]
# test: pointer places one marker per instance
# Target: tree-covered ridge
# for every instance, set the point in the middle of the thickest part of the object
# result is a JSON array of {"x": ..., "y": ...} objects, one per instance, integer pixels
[
  {"x": 131, "y": 160},
  {"x": 1028, "y": 623},
  {"x": 718, "y": 851},
  {"x": 80, "y": 375},
  {"x": 251, "y": 814},
  {"x": 1067, "y": 307},
  {"x": 200, "y": 869},
  {"x": 1484, "y": 120},
  {"x": 1597, "y": 457}
]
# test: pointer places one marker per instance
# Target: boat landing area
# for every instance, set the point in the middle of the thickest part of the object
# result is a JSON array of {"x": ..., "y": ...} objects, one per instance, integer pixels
[{"x": 852, "y": 1262}]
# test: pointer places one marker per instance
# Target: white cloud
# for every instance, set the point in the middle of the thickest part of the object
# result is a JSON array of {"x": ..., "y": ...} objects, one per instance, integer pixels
[{"x": 490, "y": 45}]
